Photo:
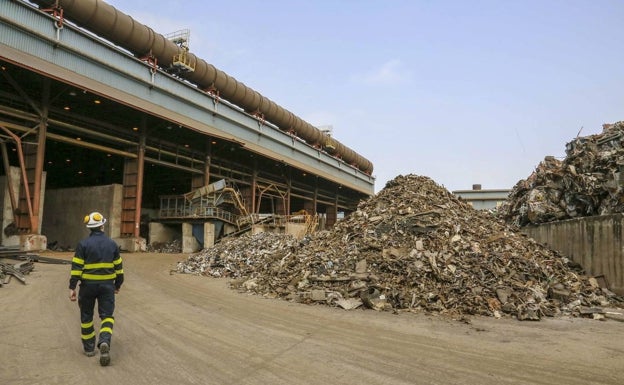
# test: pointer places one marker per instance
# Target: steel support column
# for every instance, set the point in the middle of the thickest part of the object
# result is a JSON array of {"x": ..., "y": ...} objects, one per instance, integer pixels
[
  {"x": 288, "y": 211},
  {"x": 203, "y": 180},
  {"x": 310, "y": 205},
  {"x": 332, "y": 213},
  {"x": 40, "y": 155},
  {"x": 24, "y": 213},
  {"x": 128, "y": 204},
  {"x": 140, "y": 176},
  {"x": 27, "y": 210},
  {"x": 207, "y": 162},
  {"x": 254, "y": 184}
]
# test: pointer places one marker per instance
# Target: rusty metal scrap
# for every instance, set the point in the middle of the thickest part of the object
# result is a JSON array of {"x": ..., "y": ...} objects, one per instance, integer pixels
[
  {"x": 17, "y": 270},
  {"x": 589, "y": 181},
  {"x": 412, "y": 247}
]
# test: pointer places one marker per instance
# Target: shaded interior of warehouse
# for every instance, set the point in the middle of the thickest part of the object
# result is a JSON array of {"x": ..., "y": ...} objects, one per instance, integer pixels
[{"x": 90, "y": 138}]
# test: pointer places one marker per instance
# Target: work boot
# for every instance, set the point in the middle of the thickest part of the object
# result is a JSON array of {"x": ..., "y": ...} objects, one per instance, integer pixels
[
  {"x": 89, "y": 353},
  {"x": 104, "y": 354}
]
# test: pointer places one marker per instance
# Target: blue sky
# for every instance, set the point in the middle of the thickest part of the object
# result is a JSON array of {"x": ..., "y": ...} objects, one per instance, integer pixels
[{"x": 463, "y": 92}]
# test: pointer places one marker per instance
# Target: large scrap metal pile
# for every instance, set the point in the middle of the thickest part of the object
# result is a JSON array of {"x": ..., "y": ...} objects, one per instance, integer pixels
[
  {"x": 587, "y": 182},
  {"x": 412, "y": 247}
]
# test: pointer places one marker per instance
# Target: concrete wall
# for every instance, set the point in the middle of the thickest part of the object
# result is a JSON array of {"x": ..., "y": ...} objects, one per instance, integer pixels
[
  {"x": 163, "y": 233},
  {"x": 596, "y": 243},
  {"x": 209, "y": 235},
  {"x": 65, "y": 210},
  {"x": 189, "y": 242}
]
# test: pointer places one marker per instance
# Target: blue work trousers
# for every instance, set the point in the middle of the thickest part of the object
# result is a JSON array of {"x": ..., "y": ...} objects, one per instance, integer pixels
[{"x": 104, "y": 295}]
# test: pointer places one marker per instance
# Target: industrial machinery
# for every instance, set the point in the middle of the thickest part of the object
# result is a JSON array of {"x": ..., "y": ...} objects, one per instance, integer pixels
[
  {"x": 218, "y": 200},
  {"x": 221, "y": 202}
]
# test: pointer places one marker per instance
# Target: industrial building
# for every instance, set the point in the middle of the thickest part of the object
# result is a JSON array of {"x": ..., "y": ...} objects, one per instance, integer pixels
[
  {"x": 483, "y": 199},
  {"x": 100, "y": 112}
]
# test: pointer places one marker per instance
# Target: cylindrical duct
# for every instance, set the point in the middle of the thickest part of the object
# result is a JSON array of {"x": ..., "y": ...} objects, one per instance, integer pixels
[{"x": 113, "y": 25}]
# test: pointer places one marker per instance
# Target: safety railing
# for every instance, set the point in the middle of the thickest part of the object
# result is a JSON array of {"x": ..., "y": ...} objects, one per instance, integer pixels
[{"x": 177, "y": 207}]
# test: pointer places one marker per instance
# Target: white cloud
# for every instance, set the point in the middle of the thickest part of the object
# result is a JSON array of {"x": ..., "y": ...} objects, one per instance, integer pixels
[{"x": 392, "y": 72}]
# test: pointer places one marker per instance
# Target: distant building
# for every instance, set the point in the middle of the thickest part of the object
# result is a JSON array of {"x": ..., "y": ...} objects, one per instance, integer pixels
[{"x": 483, "y": 199}]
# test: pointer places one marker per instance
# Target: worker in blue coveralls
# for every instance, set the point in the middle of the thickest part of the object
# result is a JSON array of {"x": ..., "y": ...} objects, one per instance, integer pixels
[{"x": 97, "y": 266}]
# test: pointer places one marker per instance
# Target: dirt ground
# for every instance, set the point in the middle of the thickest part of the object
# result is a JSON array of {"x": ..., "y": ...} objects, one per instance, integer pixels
[{"x": 184, "y": 329}]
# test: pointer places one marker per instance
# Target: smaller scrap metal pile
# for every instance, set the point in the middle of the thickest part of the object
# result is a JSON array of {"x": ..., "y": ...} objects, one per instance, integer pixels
[
  {"x": 17, "y": 270},
  {"x": 174, "y": 246},
  {"x": 412, "y": 247},
  {"x": 587, "y": 182}
]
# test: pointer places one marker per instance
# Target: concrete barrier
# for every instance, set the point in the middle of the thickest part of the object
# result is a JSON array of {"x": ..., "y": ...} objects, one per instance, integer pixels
[
  {"x": 593, "y": 242},
  {"x": 64, "y": 210}
]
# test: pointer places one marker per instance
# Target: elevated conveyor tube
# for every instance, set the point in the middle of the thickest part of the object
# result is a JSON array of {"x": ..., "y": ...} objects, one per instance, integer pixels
[{"x": 106, "y": 21}]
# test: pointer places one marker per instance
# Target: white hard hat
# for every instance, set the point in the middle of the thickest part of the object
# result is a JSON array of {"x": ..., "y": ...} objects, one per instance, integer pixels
[{"x": 94, "y": 219}]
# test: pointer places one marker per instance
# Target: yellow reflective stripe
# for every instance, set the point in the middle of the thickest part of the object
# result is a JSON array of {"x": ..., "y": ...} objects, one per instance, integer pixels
[
  {"x": 97, "y": 277},
  {"x": 117, "y": 261},
  {"x": 77, "y": 273},
  {"x": 106, "y": 330},
  {"x": 102, "y": 265},
  {"x": 77, "y": 260},
  {"x": 87, "y": 325},
  {"x": 88, "y": 336},
  {"x": 111, "y": 320},
  {"x": 119, "y": 271}
]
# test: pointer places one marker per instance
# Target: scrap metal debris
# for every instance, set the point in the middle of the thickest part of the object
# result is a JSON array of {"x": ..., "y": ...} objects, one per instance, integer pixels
[
  {"x": 589, "y": 181},
  {"x": 17, "y": 270},
  {"x": 174, "y": 246},
  {"x": 413, "y": 247}
]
